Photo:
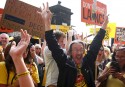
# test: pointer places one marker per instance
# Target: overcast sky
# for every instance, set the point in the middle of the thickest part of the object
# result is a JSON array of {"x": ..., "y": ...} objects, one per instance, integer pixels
[{"x": 114, "y": 7}]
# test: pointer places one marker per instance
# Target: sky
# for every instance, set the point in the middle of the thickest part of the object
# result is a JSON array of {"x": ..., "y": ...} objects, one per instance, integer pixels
[{"x": 115, "y": 9}]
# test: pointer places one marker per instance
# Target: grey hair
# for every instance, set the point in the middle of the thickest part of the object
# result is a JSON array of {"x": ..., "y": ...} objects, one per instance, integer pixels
[{"x": 74, "y": 42}]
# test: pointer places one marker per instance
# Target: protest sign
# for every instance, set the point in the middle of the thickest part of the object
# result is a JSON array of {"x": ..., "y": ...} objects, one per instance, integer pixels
[
  {"x": 1, "y": 11},
  {"x": 110, "y": 31},
  {"x": 87, "y": 9},
  {"x": 19, "y": 15},
  {"x": 4, "y": 29},
  {"x": 120, "y": 35},
  {"x": 111, "y": 27}
]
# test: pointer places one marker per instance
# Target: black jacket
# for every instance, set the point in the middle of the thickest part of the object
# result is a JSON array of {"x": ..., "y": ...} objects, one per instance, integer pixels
[{"x": 67, "y": 69}]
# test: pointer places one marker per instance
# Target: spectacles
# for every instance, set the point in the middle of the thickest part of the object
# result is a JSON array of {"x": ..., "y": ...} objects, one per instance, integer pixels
[
  {"x": 122, "y": 58},
  {"x": 76, "y": 51}
]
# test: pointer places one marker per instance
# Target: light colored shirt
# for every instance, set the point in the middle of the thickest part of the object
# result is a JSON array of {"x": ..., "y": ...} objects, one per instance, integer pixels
[{"x": 51, "y": 68}]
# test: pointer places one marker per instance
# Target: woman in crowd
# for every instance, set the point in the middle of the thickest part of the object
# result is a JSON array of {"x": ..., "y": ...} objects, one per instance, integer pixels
[
  {"x": 31, "y": 64},
  {"x": 38, "y": 60},
  {"x": 8, "y": 71},
  {"x": 23, "y": 78},
  {"x": 114, "y": 71},
  {"x": 38, "y": 50}
]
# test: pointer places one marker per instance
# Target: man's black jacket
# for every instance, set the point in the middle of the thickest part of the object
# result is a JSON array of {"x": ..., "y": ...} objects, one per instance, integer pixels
[{"x": 67, "y": 69}]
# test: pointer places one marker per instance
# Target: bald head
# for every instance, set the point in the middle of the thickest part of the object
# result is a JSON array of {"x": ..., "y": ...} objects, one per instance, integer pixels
[{"x": 4, "y": 39}]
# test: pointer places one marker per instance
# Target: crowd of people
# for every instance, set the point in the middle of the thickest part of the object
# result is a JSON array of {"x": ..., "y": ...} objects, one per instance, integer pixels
[{"x": 61, "y": 61}]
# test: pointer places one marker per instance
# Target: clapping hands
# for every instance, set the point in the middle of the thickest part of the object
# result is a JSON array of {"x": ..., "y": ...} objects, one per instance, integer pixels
[{"x": 16, "y": 52}]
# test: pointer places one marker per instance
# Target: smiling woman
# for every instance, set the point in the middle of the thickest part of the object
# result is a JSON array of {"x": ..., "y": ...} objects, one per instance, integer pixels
[{"x": 114, "y": 71}]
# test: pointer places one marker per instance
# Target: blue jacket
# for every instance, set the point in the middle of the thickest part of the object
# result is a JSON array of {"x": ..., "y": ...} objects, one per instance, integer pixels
[{"x": 67, "y": 70}]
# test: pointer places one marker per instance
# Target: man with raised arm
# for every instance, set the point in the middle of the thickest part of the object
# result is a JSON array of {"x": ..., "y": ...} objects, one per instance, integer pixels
[{"x": 76, "y": 72}]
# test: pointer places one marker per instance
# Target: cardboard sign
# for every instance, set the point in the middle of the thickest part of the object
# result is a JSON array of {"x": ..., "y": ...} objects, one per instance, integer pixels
[
  {"x": 91, "y": 14},
  {"x": 1, "y": 12},
  {"x": 3, "y": 29},
  {"x": 120, "y": 35},
  {"x": 19, "y": 15}
]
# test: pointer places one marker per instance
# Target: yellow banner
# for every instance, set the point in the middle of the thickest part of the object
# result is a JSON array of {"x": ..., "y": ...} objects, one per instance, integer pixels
[
  {"x": 106, "y": 34},
  {"x": 92, "y": 30},
  {"x": 63, "y": 28},
  {"x": 112, "y": 29}
]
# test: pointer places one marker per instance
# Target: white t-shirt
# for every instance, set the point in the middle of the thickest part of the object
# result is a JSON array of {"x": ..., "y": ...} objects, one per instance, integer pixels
[{"x": 52, "y": 71}]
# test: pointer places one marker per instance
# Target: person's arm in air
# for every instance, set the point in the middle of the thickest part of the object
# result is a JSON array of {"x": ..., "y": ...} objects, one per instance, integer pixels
[
  {"x": 96, "y": 44},
  {"x": 57, "y": 53},
  {"x": 16, "y": 53}
]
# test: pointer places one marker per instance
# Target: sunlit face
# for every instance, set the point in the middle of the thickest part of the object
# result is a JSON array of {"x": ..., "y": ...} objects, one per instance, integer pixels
[
  {"x": 61, "y": 42},
  {"x": 77, "y": 52},
  {"x": 32, "y": 49},
  {"x": 37, "y": 50},
  {"x": 120, "y": 57},
  {"x": 4, "y": 39}
]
